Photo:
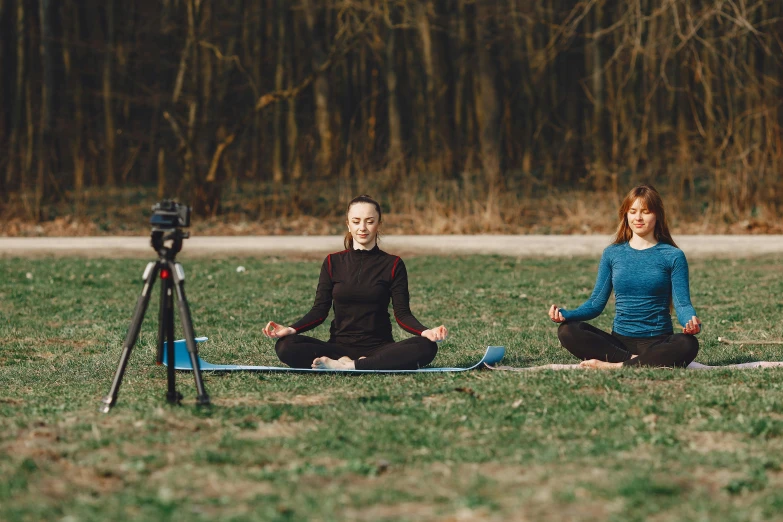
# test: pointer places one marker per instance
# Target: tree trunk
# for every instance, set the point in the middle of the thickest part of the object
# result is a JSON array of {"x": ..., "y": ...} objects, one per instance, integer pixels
[
  {"x": 108, "y": 109},
  {"x": 207, "y": 190},
  {"x": 47, "y": 91},
  {"x": 72, "y": 55},
  {"x": 431, "y": 146},
  {"x": 14, "y": 172},
  {"x": 321, "y": 91},
  {"x": 395, "y": 155},
  {"x": 294, "y": 162},
  {"x": 487, "y": 104},
  {"x": 596, "y": 125},
  {"x": 463, "y": 123},
  {"x": 277, "y": 132},
  {"x": 187, "y": 183},
  {"x": 3, "y": 122},
  {"x": 161, "y": 164}
]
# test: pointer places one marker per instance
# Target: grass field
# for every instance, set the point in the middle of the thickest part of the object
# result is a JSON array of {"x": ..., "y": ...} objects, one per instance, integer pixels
[{"x": 581, "y": 445}]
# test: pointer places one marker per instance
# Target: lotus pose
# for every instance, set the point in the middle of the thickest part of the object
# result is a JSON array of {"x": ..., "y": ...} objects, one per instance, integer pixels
[
  {"x": 649, "y": 274},
  {"x": 359, "y": 281}
]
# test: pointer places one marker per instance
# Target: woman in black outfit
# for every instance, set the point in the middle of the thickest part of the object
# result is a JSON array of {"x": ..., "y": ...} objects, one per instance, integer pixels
[{"x": 359, "y": 281}]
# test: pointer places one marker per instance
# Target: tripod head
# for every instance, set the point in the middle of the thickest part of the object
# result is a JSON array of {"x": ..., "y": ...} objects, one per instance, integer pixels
[
  {"x": 167, "y": 220},
  {"x": 159, "y": 238}
]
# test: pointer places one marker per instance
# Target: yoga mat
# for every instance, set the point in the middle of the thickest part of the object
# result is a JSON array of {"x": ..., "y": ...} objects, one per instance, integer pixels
[
  {"x": 492, "y": 355},
  {"x": 692, "y": 366}
]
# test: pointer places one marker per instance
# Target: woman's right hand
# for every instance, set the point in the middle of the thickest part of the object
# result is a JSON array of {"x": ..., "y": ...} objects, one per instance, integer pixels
[
  {"x": 692, "y": 327},
  {"x": 436, "y": 334},
  {"x": 276, "y": 331},
  {"x": 555, "y": 315}
]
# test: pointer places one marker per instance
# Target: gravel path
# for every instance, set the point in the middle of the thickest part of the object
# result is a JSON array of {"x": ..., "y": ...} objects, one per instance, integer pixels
[{"x": 318, "y": 246}]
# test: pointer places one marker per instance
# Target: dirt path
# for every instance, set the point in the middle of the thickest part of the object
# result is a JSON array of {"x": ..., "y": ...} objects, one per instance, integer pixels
[{"x": 317, "y": 246}]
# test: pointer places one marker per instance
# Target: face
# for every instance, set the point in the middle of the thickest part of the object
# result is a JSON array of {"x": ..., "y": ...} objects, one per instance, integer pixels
[
  {"x": 363, "y": 223},
  {"x": 641, "y": 220}
]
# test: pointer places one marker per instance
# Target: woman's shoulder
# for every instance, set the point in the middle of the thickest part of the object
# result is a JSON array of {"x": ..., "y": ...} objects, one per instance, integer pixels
[
  {"x": 333, "y": 254},
  {"x": 615, "y": 248},
  {"x": 671, "y": 252},
  {"x": 389, "y": 255}
]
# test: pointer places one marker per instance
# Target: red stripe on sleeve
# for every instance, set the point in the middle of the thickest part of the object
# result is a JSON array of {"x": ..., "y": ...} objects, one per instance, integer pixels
[
  {"x": 329, "y": 262},
  {"x": 417, "y": 332},
  {"x": 394, "y": 267},
  {"x": 317, "y": 321}
]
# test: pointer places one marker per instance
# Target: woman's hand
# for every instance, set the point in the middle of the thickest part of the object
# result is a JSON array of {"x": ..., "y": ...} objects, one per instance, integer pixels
[
  {"x": 275, "y": 331},
  {"x": 436, "y": 334},
  {"x": 693, "y": 326},
  {"x": 555, "y": 315}
]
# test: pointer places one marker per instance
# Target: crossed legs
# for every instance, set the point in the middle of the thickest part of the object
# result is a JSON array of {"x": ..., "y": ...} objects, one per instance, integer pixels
[
  {"x": 299, "y": 351},
  {"x": 602, "y": 350}
]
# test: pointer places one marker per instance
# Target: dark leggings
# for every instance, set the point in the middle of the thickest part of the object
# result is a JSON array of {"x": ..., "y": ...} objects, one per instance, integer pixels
[
  {"x": 586, "y": 341},
  {"x": 299, "y": 351}
]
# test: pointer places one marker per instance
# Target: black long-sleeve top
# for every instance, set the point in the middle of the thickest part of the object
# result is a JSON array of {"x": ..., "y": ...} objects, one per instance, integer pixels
[{"x": 360, "y": 283}]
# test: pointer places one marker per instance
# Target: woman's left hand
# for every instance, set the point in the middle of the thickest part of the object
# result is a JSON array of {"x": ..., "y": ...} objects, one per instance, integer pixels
[
  {"x": 693, "y": 326},
  {"x": 436, "y": 334}
]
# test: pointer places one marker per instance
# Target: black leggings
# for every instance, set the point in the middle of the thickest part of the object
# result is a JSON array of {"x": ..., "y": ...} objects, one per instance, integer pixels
[
  {"x": 299, "y": 351},
  {"x": 586, "y": 341}
]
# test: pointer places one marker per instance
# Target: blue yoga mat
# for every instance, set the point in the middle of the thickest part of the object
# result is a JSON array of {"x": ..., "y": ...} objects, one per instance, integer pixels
[{"x": 493, "y": 355}]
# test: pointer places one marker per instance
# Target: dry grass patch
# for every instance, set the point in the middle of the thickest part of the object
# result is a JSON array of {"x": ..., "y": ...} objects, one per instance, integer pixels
[
  {"x": 508, "y": 492},
  {"x": 317, "y": 399},
  {"x": 66, "y": 478},
  {"x": 274, "y": 398},
  {"x": 38, "y": 444},
  {"x": 400, "y": 511},
  {"x": 713, "y": 441},
  {"x": 76, "y": 344},
  {"x": 280, "y": 428},
  {"x": 56, "y": 475},
  {"x": 189, "y": 482}
]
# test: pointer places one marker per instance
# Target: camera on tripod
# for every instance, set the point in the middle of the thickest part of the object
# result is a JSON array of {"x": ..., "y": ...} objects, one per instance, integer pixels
[
  {"x": 168, "y": 219},
  {"x": 168, "y": 214}
]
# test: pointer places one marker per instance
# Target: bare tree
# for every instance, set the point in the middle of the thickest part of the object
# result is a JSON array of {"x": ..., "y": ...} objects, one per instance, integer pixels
[
  {"x": 321, "y": 91},
  {"x": 487, "y": 102},
  {"x": 44, "y": 149}
]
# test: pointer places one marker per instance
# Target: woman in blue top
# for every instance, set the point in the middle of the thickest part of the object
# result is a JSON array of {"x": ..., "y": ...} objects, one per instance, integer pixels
[{"x": 649, "y": 274}]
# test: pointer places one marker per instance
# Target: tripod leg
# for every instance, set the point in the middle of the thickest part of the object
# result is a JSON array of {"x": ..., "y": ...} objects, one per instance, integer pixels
[
  {"x": 161, "y": 323},
  {"x": 150, "y": 273},
  {"x": 187, "y": 326},
  {"x": 167, "y": 319}
]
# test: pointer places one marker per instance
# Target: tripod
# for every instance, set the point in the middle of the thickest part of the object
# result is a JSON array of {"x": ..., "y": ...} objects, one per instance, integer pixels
[{"x": 172, "y": 279}]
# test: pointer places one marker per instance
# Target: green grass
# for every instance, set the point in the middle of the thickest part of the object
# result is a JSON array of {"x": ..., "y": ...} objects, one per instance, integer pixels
[{"x": 625, "y": 445}]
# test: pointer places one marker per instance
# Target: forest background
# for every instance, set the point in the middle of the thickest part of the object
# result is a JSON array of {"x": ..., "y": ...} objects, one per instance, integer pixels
[{"x": 461, "y": 116}]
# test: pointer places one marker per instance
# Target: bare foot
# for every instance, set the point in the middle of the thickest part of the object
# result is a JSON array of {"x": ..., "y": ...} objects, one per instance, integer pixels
[
  {"x": 344, "y": 358},
  {"x": 325, "y": 363},
  {"x": 599, "y": 365}
]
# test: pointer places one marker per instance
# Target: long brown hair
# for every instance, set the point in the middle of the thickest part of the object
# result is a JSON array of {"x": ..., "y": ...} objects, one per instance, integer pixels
[
  {"x": 364, "y": 198},
  {"x": 652, "y": 200}
]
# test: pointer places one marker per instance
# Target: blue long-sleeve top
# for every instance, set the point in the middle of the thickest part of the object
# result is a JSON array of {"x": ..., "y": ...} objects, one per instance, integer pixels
[{"x": 644, "y": 283}]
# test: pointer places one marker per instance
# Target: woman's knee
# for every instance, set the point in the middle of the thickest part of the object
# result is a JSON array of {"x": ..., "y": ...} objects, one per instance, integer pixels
[
  {"x": 428, "y": 352},
  {"x": 688, "y": 346},
  {"x": 566, "y": 331},
  {"x": 284, "y": 347},
  {"x": 690, "y": 342}
]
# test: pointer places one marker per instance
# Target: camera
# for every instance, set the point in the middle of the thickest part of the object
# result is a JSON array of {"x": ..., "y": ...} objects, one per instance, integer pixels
[{"x": 169, "y": 214}]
